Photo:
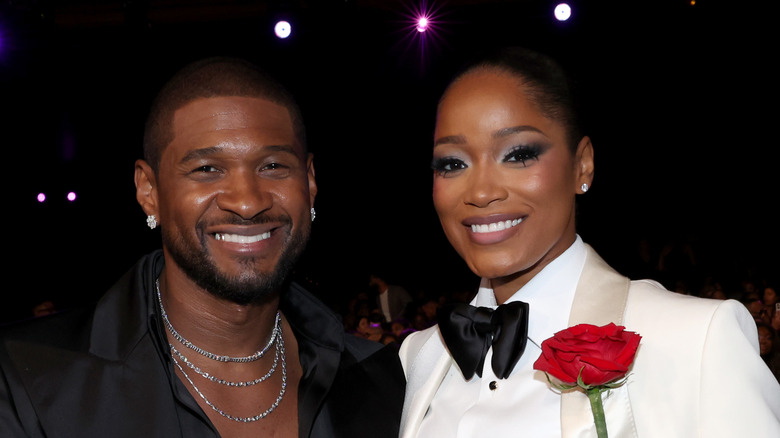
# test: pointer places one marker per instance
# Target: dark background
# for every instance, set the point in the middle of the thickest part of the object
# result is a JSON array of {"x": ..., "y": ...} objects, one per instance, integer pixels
[{"x": 677, "y": 100}]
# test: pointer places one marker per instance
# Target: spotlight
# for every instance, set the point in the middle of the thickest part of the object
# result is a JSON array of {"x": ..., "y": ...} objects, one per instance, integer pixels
[
  {"x": 282, "y": 29},
  {"x": 422, "y": 24},
  {"x": 562, "y": 12},
  {"x": 41, "y": 197},
  {"x": 71, "y": 196}
]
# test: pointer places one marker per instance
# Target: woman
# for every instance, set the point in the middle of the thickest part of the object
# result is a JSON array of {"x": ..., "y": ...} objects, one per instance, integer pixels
[{"x": 508, "y": 163}]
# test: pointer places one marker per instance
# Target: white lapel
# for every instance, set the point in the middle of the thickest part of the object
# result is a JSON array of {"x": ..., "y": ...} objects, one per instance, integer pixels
[
  {"x": 600, "y": 298},
  {"x": 434, "y": 361}
]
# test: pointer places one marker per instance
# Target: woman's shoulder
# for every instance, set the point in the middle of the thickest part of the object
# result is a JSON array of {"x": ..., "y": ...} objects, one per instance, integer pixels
[{"x": 651, "y": 306}]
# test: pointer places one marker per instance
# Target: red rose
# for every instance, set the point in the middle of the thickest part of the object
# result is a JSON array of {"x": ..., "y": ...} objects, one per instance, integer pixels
[{"x": 598, "y": 355}]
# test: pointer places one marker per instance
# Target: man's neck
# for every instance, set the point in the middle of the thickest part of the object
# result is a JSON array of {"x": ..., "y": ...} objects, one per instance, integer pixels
[{"x": 212, "y": 323}]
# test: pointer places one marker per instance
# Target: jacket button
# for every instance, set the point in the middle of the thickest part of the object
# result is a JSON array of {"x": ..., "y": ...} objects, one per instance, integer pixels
[{"x": 493, "y": 385}]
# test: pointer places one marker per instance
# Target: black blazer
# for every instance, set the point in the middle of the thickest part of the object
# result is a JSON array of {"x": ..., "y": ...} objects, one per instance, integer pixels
[{"x": 106, "y": 372}]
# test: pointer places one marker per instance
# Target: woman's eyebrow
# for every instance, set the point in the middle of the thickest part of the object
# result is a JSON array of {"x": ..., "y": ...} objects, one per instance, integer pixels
[
  {"x": 450, "y": 139},
  {"x": 503, "y": 132}
]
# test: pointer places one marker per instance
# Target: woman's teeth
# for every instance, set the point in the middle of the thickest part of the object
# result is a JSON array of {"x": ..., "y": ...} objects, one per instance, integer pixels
[{"x": 496, "y": 226}]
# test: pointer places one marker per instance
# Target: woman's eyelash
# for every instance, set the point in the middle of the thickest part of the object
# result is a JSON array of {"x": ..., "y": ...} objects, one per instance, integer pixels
[
  {"x": 523, "y": 153},
  {"x": 518, "y": 154},
  {"x": 447, "y": 164}
]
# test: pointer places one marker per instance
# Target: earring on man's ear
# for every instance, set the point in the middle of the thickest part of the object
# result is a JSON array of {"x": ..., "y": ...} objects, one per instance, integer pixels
[
  {"x": 584, "y": 187},
  {"x": 313, "y": 214},
  {"x": 151, "y": 221}
]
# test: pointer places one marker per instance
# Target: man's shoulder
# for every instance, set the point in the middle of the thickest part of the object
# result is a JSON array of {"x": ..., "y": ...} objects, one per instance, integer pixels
[
  {"x": 360, "y": 348},
  {"x": 68, "y": 329}
]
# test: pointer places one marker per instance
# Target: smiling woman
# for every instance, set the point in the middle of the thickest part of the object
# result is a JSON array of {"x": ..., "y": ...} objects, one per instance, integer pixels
[{"x": 509, "y": 160}]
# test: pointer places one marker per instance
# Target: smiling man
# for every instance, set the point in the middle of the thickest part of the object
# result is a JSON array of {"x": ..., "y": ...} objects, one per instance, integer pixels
[{"x": 208, "y": 336}]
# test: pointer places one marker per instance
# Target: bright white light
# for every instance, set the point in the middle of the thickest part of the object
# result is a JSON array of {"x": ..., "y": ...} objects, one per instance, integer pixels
[
  {"x": 41, "y": 197},
  {"x": 422, "y": 24},
  {"x": 282, "y": 29},
  {"x": 71, "y": 196},
  {"x": 562, "y": 12}
]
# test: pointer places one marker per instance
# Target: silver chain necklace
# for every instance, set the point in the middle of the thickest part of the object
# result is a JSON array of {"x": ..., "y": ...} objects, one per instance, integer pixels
[
  {"x": 251, "y": 358},
  {"x": 276, "y": 338},
  {"x": 214, "y": 379},
  {"x": 244, "y": 419}
]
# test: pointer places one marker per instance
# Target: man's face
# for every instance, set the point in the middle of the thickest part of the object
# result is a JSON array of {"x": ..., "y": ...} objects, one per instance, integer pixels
[{"x": 235, "y": 190}]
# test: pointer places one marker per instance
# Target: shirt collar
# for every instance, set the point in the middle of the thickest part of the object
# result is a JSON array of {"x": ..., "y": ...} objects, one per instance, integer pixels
[{"x": 549, "y": 294}]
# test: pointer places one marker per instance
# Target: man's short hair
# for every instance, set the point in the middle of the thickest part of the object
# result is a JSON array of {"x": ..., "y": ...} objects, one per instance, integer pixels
[{"x": 212, "y": 77}]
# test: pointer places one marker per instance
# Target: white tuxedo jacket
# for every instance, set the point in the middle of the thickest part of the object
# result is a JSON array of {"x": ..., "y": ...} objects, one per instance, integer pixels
[{"x": 697, "y": 372}]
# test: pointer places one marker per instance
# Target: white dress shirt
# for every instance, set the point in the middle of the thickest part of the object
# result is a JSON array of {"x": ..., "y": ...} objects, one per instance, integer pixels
[
  {"x": 523, "y": 404},
  {"x": 384, "y": 304}
]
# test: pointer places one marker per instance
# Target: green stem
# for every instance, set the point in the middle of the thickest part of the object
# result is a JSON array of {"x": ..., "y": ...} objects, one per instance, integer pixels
[{"x": 594, "y": 394}]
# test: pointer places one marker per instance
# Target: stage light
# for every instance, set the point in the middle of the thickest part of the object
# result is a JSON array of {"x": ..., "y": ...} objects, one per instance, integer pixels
[
  {"x": 562, "y": 12},
  {"x": 41, "y": 197},
  {"x": 71, "y": 196},
  {"x": 282, "y": 29},
  {"x": 422, "y": 24}
]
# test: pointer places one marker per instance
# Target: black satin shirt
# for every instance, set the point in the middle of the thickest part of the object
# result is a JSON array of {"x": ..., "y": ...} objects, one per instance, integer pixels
[{"x": 107, "y": 372}]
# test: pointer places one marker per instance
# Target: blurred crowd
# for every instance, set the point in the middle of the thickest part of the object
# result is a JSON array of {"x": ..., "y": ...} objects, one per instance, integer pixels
[
  {"x": 674, "y": 264},
  {"x": 386, "y": 310}
]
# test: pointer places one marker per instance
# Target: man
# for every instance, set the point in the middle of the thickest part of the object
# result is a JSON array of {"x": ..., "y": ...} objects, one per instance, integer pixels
[
  {"x": 392, "y": 300},
  {"x": 207, "y": 337}
]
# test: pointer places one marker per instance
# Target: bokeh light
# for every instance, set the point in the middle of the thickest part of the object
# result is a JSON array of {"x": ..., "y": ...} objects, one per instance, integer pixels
[
  {"x": 562, "y": 12},
  {"x": 71, "y": 196},
  {"x": 282, "y": 29},
  {"x": 41, "y": 197}
]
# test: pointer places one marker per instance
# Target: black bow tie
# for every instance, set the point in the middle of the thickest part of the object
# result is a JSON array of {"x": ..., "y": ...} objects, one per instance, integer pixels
[{"x": 469, "y": 332}]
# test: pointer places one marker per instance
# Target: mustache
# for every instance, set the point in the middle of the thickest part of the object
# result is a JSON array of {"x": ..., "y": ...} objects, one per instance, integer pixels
[{"x": 256, "y": 220}]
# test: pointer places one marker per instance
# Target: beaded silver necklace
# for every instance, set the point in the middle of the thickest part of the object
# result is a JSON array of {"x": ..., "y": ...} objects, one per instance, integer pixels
[{"x": 275, "y": 338}]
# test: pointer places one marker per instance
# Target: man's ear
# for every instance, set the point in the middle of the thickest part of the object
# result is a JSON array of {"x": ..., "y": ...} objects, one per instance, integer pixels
[
  {"x": 146, "y": 188},
  {"x": 584, "y": 164},
  {"x": 312, "y": 180}
]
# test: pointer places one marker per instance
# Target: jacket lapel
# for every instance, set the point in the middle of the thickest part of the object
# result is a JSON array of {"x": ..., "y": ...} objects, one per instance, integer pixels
[
  {"x": 600, "y": 298},
  {"x": 423, "y": 386}
]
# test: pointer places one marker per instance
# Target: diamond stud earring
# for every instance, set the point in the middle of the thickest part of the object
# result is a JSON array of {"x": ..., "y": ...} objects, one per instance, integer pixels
[
  {"x": 584, "y": 187},
  {"x": 313, "y": 214},
  {"x": 151, "y": 221}
]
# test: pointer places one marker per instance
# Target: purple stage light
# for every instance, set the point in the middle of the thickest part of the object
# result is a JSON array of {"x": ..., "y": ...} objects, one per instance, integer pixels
[
  {"x": 41, "y": 197},
  {"x": 422, "y": 24},
  {"x": 71, "y": 196}
]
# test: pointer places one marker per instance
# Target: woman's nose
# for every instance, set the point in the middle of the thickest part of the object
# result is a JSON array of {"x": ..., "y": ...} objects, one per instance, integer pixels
[{"x": 485, "y": 186}]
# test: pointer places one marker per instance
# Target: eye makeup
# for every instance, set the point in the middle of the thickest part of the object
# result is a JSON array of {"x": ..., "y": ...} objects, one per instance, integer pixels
[{"x": 524, "y": 153}]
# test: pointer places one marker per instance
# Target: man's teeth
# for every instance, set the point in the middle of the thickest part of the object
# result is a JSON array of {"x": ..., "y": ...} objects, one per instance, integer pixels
[
  {"x": 237, "y": 238},
  {"x": 496, "y": 226}
]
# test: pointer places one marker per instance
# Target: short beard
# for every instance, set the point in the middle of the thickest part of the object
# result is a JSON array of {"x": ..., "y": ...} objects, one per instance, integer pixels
[{"x": 245, "y": 288}]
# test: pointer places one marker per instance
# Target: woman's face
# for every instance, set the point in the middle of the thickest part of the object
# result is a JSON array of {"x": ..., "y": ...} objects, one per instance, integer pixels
[{"x": 504, "y": 179}]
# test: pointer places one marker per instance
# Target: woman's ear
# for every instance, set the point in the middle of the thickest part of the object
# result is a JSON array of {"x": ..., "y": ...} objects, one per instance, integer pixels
[
  {"x": 146, "y": 188},
  {"x": 584, "y": 165}
]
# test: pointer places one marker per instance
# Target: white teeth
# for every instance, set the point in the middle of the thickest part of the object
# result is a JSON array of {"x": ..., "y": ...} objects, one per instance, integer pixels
[
  {"x": 496, "y": 226},
  {"x": 237, "y": 238}
]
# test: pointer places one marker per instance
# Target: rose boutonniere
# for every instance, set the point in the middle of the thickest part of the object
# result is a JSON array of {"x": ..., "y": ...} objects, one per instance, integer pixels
[{"x": 593, "y": 358}]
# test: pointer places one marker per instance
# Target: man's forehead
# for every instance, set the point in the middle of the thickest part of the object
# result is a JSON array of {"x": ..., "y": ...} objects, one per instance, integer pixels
[{"x": 226, "y": 112}]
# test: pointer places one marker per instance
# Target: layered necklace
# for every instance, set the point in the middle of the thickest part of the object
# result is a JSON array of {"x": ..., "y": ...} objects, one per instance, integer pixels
[{"x": 275, "y": 339}]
